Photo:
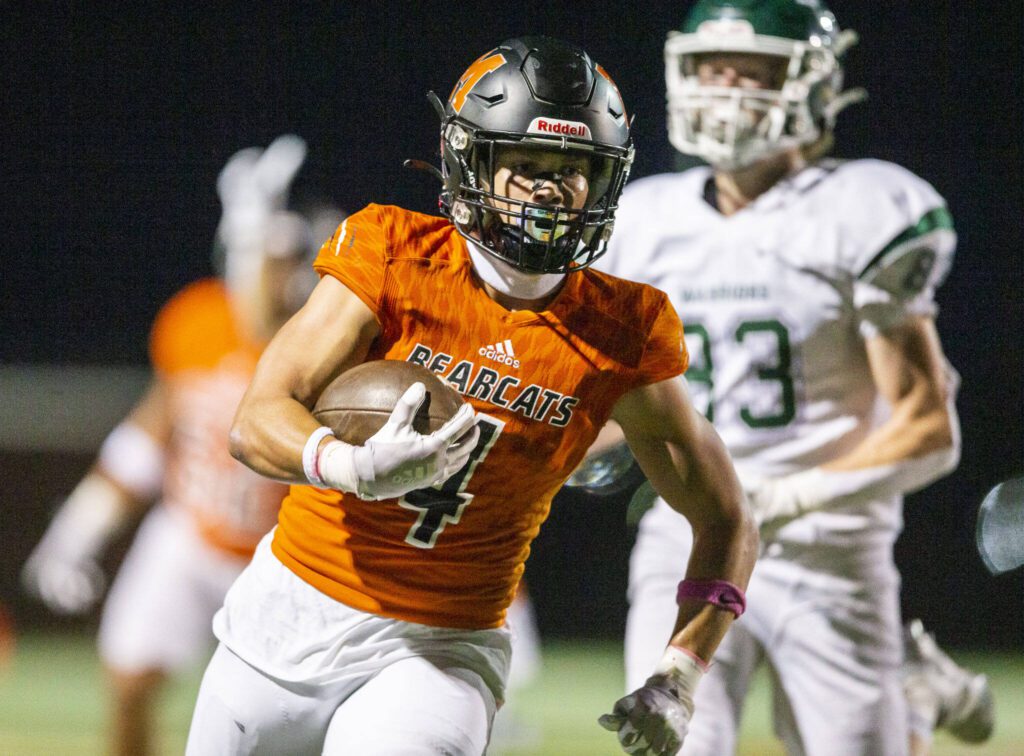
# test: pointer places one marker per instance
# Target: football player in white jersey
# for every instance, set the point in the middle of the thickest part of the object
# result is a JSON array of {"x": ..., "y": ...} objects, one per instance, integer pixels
[{"x": 806, "y": 287}]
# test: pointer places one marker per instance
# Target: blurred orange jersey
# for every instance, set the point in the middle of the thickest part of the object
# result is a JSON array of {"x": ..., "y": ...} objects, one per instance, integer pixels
[
  {"x": 542, "y": 383},
  {"x": 206, "y": 364}
]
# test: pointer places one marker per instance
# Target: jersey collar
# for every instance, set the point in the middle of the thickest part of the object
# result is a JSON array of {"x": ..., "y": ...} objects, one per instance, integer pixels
[{"x": 509, "y": 280}]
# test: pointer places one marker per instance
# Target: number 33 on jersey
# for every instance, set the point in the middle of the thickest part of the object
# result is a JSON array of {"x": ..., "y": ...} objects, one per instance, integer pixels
[{"x": 776, "y": 310}]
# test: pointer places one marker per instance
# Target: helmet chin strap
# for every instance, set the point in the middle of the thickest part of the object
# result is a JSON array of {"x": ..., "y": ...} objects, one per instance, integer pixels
[{"x": 508, "y": 280}]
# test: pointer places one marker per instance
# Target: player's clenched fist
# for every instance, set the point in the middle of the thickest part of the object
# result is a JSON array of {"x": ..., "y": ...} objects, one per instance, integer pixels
[{"x": 654, "y": 719}]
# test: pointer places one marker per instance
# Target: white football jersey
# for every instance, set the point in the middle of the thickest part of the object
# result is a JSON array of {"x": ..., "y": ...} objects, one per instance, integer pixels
[{"x": 777, "y": 301}]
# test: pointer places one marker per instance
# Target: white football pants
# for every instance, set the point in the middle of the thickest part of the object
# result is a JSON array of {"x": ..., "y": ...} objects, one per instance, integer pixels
[
  {"x": 170, "y": 584},
  {"x": 826, "y": 624},
  {"x": 411, "y": 707},
  {"x": 300, "y": 673}
]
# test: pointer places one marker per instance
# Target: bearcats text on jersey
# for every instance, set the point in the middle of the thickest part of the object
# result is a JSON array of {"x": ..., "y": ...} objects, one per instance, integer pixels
[{"x": 488, "y": 385}]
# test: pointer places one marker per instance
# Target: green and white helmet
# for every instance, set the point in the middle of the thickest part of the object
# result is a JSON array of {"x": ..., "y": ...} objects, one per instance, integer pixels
[{"x": 733, "y": 127}]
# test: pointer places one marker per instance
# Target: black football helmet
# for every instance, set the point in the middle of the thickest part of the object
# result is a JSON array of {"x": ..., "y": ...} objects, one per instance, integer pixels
[{"x": 534, "y": 93}]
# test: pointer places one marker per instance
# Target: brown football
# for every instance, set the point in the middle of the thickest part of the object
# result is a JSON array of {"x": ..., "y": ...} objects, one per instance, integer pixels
[{"x": 357, "y": 403}]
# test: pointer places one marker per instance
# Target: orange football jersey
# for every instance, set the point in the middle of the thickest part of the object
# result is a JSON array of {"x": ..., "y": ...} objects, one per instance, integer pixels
[
  {"x": 206, "y": 364},
  {"x": 542, "y": 383}
]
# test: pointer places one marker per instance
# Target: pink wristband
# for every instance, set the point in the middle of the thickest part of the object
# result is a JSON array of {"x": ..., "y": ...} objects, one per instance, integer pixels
[{"x": 721, "y": 593}]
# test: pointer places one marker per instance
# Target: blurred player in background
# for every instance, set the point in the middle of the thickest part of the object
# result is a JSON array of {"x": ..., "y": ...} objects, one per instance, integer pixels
[
  {"x": 807, "y": 288},
  {"x": 173, "y": 447},
  {"x": 371, "y": 620}
]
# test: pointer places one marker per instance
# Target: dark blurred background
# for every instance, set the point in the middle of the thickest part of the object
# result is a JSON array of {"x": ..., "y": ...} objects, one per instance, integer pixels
[{"x": 115, "y": 119}]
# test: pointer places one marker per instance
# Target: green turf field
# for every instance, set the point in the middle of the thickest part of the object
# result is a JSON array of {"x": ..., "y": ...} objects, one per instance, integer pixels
[{"x": 51, "y": 702}]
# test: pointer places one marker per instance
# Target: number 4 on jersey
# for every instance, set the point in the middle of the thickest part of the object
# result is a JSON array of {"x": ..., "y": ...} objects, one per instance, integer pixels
[{"x": 443, "y": 504}]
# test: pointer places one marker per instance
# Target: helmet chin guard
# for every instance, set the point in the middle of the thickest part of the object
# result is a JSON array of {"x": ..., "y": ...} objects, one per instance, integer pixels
[{"x": 534, "y": 93}]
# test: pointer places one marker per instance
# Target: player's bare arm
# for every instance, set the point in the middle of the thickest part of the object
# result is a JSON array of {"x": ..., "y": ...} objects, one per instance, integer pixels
[
  {"x": 688, "y": 465},
  {"x": 330, "y": 333},
  {"x": 909, "y": 370},
  {"x": 276, "y": 435},
  {"x": 64, "y": 568},
  {"x": 917, "y": 444},
  {"x": 607, "y": 439},
  {"x": 685, "y": 460}
]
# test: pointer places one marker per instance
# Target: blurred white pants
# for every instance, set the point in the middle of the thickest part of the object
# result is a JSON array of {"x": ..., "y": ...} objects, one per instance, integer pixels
[
  {"x": 161, "y": 604},
  {"x": 826, "y": 623}
]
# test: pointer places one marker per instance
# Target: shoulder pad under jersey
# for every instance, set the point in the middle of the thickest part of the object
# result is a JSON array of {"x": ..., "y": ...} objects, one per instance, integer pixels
[{"x": 903, "y": 235}]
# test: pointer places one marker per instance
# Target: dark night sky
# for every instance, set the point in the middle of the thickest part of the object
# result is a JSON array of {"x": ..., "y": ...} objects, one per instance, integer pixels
[{"x": 115, "y": 124}]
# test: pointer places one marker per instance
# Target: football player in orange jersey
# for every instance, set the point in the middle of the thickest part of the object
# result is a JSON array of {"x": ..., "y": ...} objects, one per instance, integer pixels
[
  {"x": 173, "y": 446},
  {"x": 371, "y": 620}
]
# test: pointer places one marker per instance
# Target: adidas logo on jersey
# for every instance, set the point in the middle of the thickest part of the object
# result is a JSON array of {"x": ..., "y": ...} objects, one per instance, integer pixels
[{"x": 501, "y": 352}]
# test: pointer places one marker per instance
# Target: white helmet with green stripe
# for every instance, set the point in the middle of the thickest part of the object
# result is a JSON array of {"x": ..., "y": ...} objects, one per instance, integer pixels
[{"x": 732, "y": 127}]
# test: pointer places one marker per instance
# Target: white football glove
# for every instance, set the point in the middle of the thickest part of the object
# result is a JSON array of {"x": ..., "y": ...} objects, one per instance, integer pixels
[
  {"x": 66, "y": 587},
  {"x": 775, "y": 502},
  {"x": 253, "y": 186},
  {"x": 63, "y": 570},
  {"x": 654, "y": 719},
  {"x": 258, "y": 180},
  {"x": 397, "y": 459}
]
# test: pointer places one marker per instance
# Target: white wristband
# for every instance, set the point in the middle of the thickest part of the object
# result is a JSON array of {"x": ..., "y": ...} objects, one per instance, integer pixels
[
  {"x": 337, "y": 468},
  {"x": 684, "y": 670},
  {"x": 683, "y": 664},
  {"x": 134, "y": 459},
  {"x": 310, "y": 456}
]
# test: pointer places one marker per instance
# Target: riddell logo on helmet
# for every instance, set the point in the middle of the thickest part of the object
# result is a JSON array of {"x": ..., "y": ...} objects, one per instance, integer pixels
[{"x": 557, "y": 127}]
